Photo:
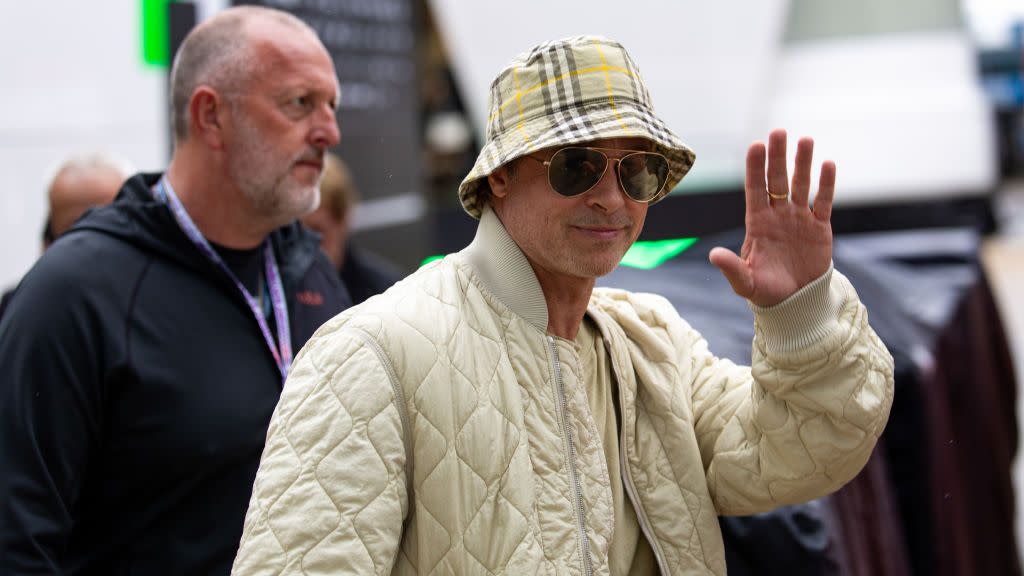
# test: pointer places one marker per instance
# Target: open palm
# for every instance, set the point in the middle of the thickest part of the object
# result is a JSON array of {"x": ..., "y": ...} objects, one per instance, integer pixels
[{"x": 787, "y": 244}]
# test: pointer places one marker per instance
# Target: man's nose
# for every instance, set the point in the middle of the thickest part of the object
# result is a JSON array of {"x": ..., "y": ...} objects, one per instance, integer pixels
[
  {"x": 325, "y": 133},
  {"x": 607, "y": 195}
]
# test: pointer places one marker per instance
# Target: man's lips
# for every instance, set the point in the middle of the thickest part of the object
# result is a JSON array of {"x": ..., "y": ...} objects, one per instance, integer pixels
[
  {"x": 602, "y": 232},
  {"x": 315, "y": 164},
  {"x": 311, "y": 159}
]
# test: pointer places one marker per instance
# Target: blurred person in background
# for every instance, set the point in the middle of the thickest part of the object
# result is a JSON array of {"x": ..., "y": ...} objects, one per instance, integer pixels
[
  {"x": 363, "y": 273},
  {"x": 494, "y": 413},
  {"x": 80, "y": 183},
  {"x": 143, "y": 355}
]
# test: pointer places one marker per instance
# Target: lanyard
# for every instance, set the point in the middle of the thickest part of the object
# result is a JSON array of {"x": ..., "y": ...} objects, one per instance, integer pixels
[{"x": 282, "y": 351}]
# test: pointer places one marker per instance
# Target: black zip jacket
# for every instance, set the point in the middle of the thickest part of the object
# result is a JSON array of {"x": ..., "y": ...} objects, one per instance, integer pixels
[{"x": 135, "y": 393}]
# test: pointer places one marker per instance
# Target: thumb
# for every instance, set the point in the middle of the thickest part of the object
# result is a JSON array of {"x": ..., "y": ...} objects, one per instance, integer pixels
[{"x": 734, "y": 269}]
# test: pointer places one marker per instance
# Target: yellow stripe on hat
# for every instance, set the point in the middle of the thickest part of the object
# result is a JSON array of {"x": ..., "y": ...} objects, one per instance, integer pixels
[
  {"x": 519, "y": 104},
  {"x": 582, "y": 71},
  {"x": 608, "y": 84}
]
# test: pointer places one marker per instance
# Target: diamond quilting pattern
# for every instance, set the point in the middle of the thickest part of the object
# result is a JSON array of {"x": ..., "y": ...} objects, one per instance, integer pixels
[
  {"x": 301, "y": 484},
  {"x": 490, "y": 493},
  {"x": 430, "y": 449},
  {"x": 433, "y": 540},
  {"x": 474, "y": 356},
  {"x": 491, "y": 547},
  {"x": 453, "y": 508},
  {"x": 455, "y": 398},
  {"x": 487, "y": 443},
  {"x": 743, "y": 462},
  {"x": 446, "y": 399}
]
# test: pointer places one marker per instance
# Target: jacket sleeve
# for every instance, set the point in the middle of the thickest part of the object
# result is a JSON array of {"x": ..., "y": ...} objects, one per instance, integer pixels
[
  {"x": 330, "y": 493},
  {"x": 804, "y": 418},
  {"x": 51, "y": 354}
]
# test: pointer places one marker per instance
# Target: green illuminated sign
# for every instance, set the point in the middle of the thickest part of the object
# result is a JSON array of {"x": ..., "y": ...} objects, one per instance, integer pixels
[
  {"x": 155, "y": 46},
  {"x": 430, "y": 259},
  {"x": 651, "y": 254}
]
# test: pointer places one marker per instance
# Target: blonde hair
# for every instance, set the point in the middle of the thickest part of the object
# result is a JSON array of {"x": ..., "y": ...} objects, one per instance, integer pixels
[{"x": 337, "y": 190}]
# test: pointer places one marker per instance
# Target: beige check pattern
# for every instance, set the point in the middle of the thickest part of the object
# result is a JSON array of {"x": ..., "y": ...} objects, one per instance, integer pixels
[{"x": 567, "y": 92}]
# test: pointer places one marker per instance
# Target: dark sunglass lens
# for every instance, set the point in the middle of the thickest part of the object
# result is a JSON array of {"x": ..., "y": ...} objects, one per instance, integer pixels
[
  {"x": 573, "y": 171},
  {"x": 643, "y": 175}
]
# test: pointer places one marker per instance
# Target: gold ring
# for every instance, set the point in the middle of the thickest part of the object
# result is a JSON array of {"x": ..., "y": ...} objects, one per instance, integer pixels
[{"x": 778, "y": 196}]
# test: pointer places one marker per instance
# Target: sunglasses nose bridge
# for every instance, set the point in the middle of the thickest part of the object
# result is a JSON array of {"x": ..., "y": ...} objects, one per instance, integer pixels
[
  {"x": 608, "y": 194},
  {"x": 618, "y": 174}
]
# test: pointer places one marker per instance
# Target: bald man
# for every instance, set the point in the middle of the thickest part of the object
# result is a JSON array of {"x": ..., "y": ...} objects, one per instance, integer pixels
[
  {"x": 143, "y": 355},
  {"x": 81, "y": 183}
]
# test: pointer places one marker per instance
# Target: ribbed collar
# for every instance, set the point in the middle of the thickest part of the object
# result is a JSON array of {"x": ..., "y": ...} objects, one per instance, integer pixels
[{"x": 504, "y": 270}]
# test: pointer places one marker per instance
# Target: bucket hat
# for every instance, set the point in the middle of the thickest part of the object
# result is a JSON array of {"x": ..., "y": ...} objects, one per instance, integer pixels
[{"x": 567, "y": 92}]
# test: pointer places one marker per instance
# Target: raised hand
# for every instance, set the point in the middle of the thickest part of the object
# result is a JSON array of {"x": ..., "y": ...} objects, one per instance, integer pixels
[{"x": 787, "y": 244}]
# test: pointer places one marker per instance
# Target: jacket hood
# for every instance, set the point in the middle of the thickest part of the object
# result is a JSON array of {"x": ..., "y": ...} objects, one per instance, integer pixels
[{"x": 137, "y": 218}]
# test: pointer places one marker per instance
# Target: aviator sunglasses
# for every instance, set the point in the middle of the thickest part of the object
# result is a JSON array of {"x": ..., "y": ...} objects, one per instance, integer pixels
[{"x": 577, "y": 169}]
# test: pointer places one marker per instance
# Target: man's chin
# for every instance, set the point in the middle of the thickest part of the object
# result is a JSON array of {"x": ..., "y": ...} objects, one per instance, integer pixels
[
  {"x": 301, "y": 200},
  {"x": 605, "y": 265},
  {"x": 606, "y": 270},
  {"x": 314, "y": 201},
  {"x": 594, "y": 270},
  {"x": 291, "y": 205}
]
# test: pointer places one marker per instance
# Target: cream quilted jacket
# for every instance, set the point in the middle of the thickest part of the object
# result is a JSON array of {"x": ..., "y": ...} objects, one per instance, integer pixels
[{"x": 437, "y": 429}]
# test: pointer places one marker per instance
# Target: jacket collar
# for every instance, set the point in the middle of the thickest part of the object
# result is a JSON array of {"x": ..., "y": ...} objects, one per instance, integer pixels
[{"x": 504, "y": 270}]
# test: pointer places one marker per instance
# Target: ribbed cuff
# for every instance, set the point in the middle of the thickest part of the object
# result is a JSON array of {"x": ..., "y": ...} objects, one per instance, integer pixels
[{"x": 802, "y": 319}]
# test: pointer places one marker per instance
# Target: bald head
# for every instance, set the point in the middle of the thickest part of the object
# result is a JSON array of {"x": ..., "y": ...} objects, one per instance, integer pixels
[
  {"x": 81, "y": 183},
  {"x": 219, "y": 53}
]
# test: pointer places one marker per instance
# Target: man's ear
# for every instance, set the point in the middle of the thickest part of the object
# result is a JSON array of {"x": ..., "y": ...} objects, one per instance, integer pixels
[
  {"x": 500, "y": 181},
  {"x": 207, "y": 115}
]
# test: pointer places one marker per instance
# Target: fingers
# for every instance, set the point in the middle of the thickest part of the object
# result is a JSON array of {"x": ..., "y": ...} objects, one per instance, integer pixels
[
  {"x": 762, "y": 190},
  {"x": 778, "y": 178},
  {"x": 802, "y": 172},
  {"x": 734, "y": 269},
  {"x": 756, "y": 190},
  {"x": 826, "y": 191}
]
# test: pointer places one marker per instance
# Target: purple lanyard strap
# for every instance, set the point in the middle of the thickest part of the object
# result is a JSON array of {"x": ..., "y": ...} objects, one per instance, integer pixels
[{"x": 282, "y": 351}]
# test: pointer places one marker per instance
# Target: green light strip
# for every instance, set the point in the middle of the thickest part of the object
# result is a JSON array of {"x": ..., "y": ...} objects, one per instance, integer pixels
[
  {"x": 645, "y": 255},
  {"x": 430, "y": 259},
  {"x": 650, "y": 254},
  {"x": 154, "y": 33}
]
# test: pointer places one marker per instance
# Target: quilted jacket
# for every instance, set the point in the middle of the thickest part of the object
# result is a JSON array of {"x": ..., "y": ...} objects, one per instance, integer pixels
[{"x": 438, "y": 429}]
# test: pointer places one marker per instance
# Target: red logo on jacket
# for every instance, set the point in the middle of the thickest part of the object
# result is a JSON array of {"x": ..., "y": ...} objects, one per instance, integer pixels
[{"x": 310, "y": 298}]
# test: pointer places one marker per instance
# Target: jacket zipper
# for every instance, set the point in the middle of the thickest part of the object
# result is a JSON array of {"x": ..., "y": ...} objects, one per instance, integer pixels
[
  {"x": 641, "y": 515},
  {"x": 574, "y": 478}
]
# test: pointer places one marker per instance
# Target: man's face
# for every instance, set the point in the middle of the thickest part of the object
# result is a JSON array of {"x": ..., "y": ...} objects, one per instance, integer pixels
[
  {"x": 580, "y": 237},
  {"x": 282, "y": 123}
]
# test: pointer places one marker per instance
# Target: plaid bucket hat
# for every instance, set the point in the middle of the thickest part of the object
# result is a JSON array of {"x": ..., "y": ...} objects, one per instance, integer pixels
[{"x": 568, "y": 92}]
